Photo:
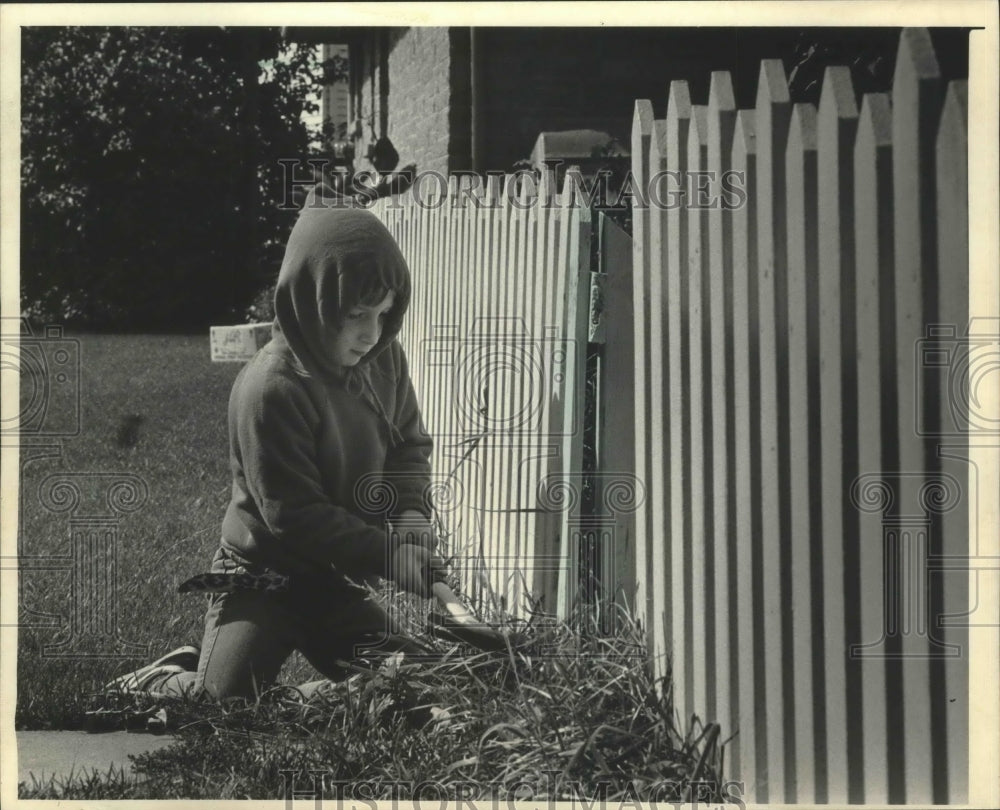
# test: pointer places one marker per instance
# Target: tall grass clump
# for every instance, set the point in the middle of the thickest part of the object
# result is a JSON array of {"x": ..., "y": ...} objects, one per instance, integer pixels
[{"x": 561, "y": 714}]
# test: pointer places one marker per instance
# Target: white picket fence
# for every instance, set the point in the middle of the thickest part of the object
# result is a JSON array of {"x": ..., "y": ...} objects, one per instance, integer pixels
[
  {"x": 782, "y": 417},
  {"x": 791, "y": 389},
  {"x": 496, "y": 338}
]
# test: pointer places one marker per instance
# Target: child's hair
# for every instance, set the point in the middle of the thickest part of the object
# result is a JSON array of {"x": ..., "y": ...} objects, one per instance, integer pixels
[{"x": 362, "y": 282}]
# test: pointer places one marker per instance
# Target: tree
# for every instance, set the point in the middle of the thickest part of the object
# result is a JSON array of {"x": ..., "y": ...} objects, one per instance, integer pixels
[{"x": 150, "y": 175}]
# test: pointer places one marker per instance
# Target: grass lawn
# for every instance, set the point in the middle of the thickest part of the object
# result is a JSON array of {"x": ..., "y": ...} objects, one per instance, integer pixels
[
  {"x": 152, "y": 407},
  {"x": 566, "y": 713}
]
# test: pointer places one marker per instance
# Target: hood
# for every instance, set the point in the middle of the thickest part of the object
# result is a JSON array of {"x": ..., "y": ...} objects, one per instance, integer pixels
[{"x": 333, "y": 256}]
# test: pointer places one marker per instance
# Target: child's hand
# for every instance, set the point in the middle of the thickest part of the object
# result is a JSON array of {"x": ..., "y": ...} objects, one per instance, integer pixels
[
  {"x": 415, "y": 529},
  {"x": 412, "y": 569}
]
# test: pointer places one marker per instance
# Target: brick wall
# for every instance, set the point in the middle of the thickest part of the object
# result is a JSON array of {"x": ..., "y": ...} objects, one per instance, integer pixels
[{"x": 419, "y": 102}]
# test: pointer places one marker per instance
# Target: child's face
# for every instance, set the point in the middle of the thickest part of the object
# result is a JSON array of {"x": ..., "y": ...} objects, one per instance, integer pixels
[{"x": 361, "y": 330}]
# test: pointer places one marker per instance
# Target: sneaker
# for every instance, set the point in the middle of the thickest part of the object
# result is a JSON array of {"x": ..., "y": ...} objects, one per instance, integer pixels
[
  {"x": 143, "y": 679},
  {"x": 183, "y": 659}
]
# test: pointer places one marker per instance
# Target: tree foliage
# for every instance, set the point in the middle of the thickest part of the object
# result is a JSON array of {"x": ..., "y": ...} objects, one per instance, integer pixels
[{"x": 150, "y": 176}]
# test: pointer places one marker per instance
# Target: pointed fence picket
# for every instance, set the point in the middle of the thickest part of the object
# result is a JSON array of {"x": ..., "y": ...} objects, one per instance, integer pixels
[
  {"x": 750, "y": 753},
  {"x": 642, "y": 132},
  {"x": 676, "y": 377},
  {"x": 721, "y": 452},
  {"x": 853, "y": 549}
]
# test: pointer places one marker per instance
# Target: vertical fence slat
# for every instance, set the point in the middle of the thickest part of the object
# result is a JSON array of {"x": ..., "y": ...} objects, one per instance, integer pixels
[
  {"x": 752, "y": 740},
  {"x": 439, "y": 392},
  {"x": 549, "y": 524},
  {"x": 499, "y": 517},
  {"x": 838, "y": 532},
  {"x": 916, "y": 105},
  {"x": 773, "y": 111},
  {"x": 521, "y": 391},
  {"x": 481, "y": 512},
  {"x": 642, "y": 130},
  {"x": 721, "y": 121},
  {"x": 466, "y": 463},
  {"x": 802, "y": 439},
  {"x": 450, "y": 328},
  {"x": 508, "y": 381},
  {"x": 837, "y": 552},
  {"x": 568, "y": 244},
  {"x": 678, "y": 123},
  {"x": 500, "y": 327},
  {"x": 660, "y": 538},
  {"x": 952, "y": 296},
  {"x": 865, "y": 739},
  {"x": 699, "y": 436}
]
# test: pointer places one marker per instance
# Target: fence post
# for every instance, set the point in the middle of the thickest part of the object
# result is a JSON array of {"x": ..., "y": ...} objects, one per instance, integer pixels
[
  {"x": 660, "y": 539},
  {"x": 576, "y": 314},
  {"x": 721, "y": 123},
  {"x": 642, "y": 130},
  {"x": 616, "y": 432},
  {"x": 805, "y": 461},
  {"x": 678, "y": 123},
  {"x": 773, "y": 111},
  {"x": 752, "y": 740}
]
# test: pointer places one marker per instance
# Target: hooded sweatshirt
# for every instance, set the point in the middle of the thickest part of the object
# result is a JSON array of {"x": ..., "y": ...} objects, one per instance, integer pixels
[{"x": 322, "y": 454}]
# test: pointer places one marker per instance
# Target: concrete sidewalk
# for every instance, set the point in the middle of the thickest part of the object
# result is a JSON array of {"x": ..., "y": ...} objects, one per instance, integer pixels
[{"x": 43, "y": 754}]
